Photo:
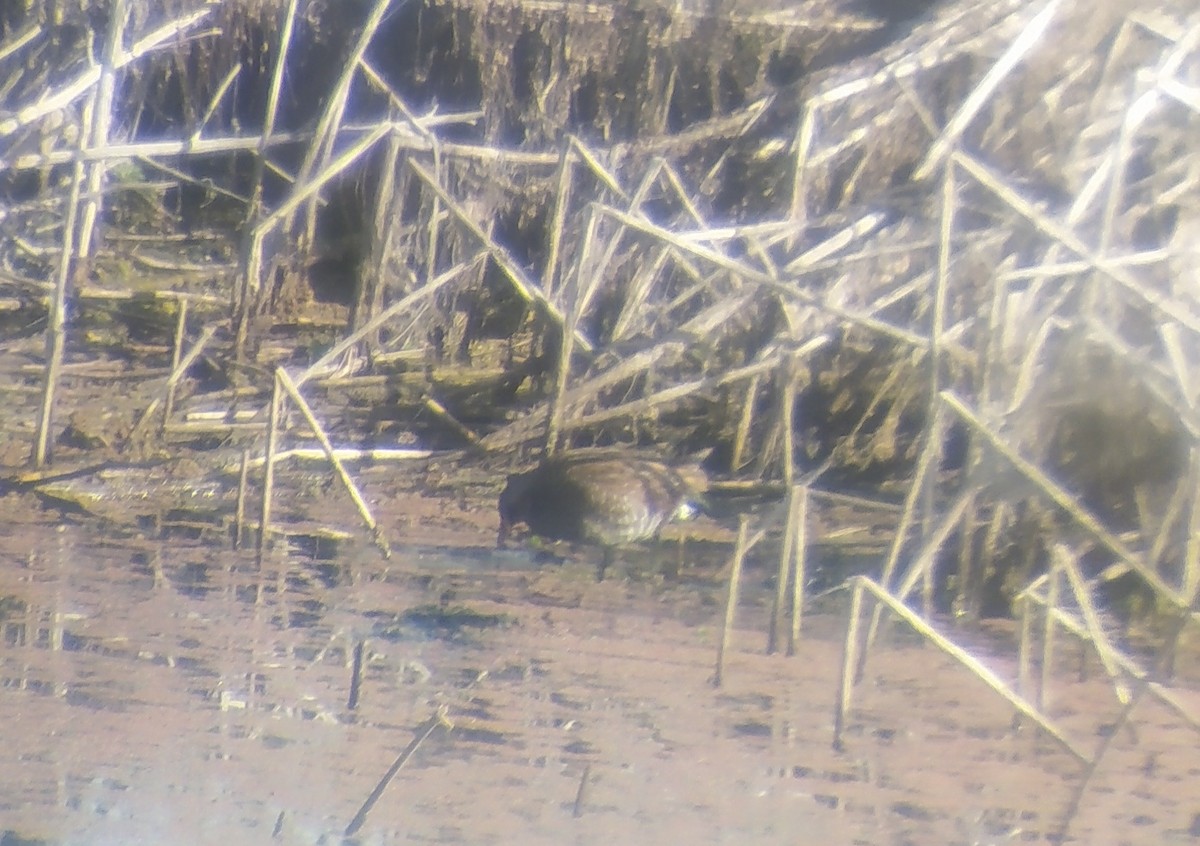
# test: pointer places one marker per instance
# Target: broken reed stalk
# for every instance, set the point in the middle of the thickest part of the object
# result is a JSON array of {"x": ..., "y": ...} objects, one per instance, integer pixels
[
  {"x": 432, "y": 239},
  {"x": 731, "y": 598},
  {"x": 178, "y": 370},
  {"x": 669, "y": 395},
  {"x": 422, "y": 734},
  {"x": 922, "y": 564},
  {"x": 151, "y": 150},
  {"x": 1048, "y": 630},
  {"x": 176, "y": 355},
  {"x": 250, "y": 259},
  {"x": 56, "y": 327},
  {"x": 802, "y": 144},
  {"x": 356, "y": 676},
  {"x": 744, "y": 423},
  {"x": 86, "y": 186},
  {"x": 442, "y": 413},
  {"x": 562, "y": 196},
  {"x": 521, "y": 283},
  {"x": 1025, "y": 645},
  {"x": 851, "y": 665},
  {"x": 800, "y": 568},
  {"x": 1191, "y": 564},
  {"x": 62, "y": 97},
  {"x": 1126, "y": 663},
  {"x": 1165, "y": 658},
  {"x": 531, "y": 424},
  {"x": 921, "y": 627},
  {"x": 1064, "y": 500},
  {"x": 383, "y": 233},
  {"x": 599, "y": 269},
  {"x": 326, "y": 133},
  {"x": 581, "y": 793},
  {"x": 787, "y": 415},
  {"x": 940, "y": 286},
  {"x": 575, "y": 304},
  {"x": 325, "y": 362},
  {"x": 339, "y": 469},
  {"x": 1068, "y": 564},
  {"x": 774, "y": 629},
  {"x": 925, "y": 560},
  {"x": 239, "y": 517},
  {"x": 1161, "y": 305},
  {"x": 268, "y": 491},
  {"x": 250, "y": 250},
  {"x": 1017, "y": 49}
]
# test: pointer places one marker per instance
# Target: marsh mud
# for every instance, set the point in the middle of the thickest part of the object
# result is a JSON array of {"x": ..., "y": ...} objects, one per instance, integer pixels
[{"x": 161, "y": 687}]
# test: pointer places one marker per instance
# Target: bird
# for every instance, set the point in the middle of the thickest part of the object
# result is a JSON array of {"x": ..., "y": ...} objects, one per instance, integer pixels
[{"x": 603, "y": 497}]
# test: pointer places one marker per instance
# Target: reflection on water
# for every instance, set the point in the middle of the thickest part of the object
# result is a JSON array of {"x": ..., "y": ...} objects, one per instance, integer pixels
[{"x": 175, "y": 692}]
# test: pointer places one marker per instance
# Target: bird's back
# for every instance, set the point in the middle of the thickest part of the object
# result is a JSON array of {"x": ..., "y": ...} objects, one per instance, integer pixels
[{"x": 605, "y": 499}]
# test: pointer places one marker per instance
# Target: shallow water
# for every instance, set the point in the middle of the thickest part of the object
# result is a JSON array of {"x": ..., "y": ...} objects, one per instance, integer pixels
[{"x": 172, "y": 691}]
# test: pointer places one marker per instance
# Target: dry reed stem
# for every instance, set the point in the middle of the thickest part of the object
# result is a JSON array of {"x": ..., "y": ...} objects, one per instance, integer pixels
[
  {"x": 597, "y": 167},
  {"x": 334, "y": 168},
  {"x": 851, "y": 665},
  {"x": 731, "y": 597},
  {"x": 339, "y": 469},
  {"x": 790, "y": 292},
  {"x": 56, "y": 327},
  {"x": 977, "y": 668},
  {"x": 529, "y": 425},
  {"x": 268, "y": 485},
  {"x": 328, "y": 126},
  {"x": 324, "y": 363},
  {"x": 567, "y": 338},
  {"x": 744, "y": 423},
  {"x": 1049, "y": 630},
  {"x": 178, "y": 371},
  {"x": 798, "y": 512},
  {"x": 1063, "y": 500},
  {"x": 1161, "y": 304},
  {"x": 1128, "y": 664},
  {"x": 1069, "y": 564},
  {"x": 516, "y": 276},
  {"x": 356, "y": 676},
  {"x": 929, "y": 454},
  {"x": 922, "y": 566},
  {"x": 344, "y": 454},
  {"x": 774, "y": 628},
  {"x": 1166, "y": 658},
  {"x": 558, "y": 219},
  {"x": 1017, "y": 50},
  {"x": 77, "y": 233},
  {"x": 422, "y": 733},
  {"x": 440, "y": 411},
  {"x": 581, "y": 793},
  {"x": 636, "y": 301},
  {"x": 14, "y": 43},
  {"x": 53, "y": 100},
  {"x": 150, "y": 150},
  {"x": 250, "y": 251},
  {"x": 787, "y": 417},
  {"x": 239, "y": 514},
  {"x": 373, "y": 282},
  {"x": 176, "y": 354},
  {"x": 835, "y": 244},
  {"x": 596, "y": 271},
  {"x": 1025, "y": 644},
  {"x": 214, "y": 102}
]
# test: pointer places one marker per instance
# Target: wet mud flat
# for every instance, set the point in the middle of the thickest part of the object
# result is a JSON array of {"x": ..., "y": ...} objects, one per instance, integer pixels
[{"x": 173, "y": 691}]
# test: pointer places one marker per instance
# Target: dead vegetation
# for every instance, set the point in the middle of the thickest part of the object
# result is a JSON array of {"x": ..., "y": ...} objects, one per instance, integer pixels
[{"x": 949, "y": 257}]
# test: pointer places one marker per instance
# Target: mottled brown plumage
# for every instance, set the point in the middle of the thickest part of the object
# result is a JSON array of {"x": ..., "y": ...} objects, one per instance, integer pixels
[{"x": 604, "y": 498}]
